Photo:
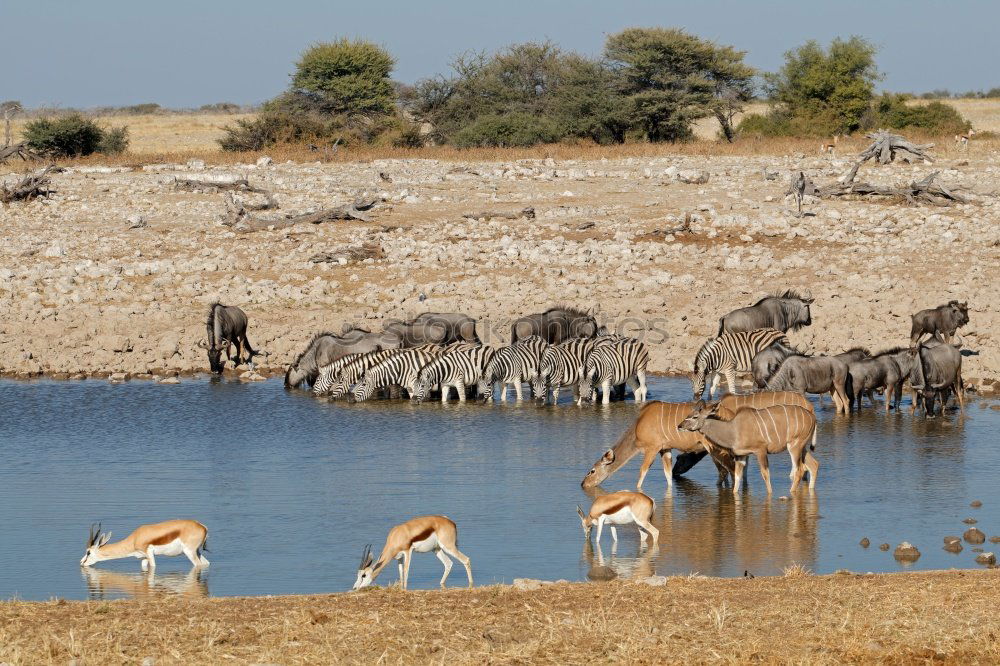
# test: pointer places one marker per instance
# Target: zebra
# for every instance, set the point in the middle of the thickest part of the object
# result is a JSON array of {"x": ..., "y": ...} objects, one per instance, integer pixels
[
  {"x": 399, "y": 369},
  {"x": 328, "y": 373},
  {"x": 513, "y": 364},
  {"x": 352, "y": 373},
  {"x": 458, "y": 367},
  {"x": 561, "y": 366},
  {"x": 620, "y": 362},
  {"x": 731, "y": 353}
]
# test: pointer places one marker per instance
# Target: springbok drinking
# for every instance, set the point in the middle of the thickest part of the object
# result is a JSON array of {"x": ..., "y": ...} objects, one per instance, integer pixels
[
  {"x": 621, "y": 508},
  {"x": 170, "y": 538},
  {"x": 421, "y": 534}
]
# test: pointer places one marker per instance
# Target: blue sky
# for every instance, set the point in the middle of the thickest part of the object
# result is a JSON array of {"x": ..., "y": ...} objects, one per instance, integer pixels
[{"x": 186, "y": 53}]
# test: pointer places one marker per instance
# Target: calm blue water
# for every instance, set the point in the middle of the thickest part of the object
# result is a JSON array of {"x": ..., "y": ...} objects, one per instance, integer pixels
[{"x": 291, "y": 488}]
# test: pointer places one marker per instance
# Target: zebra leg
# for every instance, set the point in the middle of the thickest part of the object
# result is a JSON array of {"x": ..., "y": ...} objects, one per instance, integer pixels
[
  {"x": 503, "y": 391},
  {"x": 633, "y": 386},
  {"x": 606, "y": 390},
  {"x": 445, "y": 391},
  {"x": 460, "y": 389},
  {"x": 555, "y": 395},
  {"x": 517, "y": 389},
  {"x": 641, "y": 376},
  {"x": 731, "y": 380},
  {"x": 714, "y": 386}
]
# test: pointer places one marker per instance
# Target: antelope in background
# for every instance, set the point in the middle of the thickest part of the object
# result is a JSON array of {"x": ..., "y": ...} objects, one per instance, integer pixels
[
  {"x": 963, "y": 139},
  {"x": 621, "y": 508},
  {"x": 169, "y": 538},
  {"x": 421, "y": 534},
  {"x": 760, "y": 432},
  {"x": 829, "y": 147}
]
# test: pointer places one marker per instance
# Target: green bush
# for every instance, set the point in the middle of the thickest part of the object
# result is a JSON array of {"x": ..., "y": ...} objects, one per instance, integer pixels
[
  {"x": 353, "y": 76},
  {"x": 513, "y": 129},
  {"x": 892, "y": 111},
  {"x": 271, "y": 127},
  {"x": 759, "y": 124},
  {"x": 66, "y": 136},
  {"x": 114, "y": 141}
]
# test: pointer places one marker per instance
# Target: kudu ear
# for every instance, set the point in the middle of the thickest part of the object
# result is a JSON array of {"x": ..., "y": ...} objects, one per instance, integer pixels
[{"x": 608, "y": 457}]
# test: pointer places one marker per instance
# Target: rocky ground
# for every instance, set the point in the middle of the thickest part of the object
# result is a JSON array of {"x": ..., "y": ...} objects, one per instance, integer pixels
[{"x": 114, "y": 272}]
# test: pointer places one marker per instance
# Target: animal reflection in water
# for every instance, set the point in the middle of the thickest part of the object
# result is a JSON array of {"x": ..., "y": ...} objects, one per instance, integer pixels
[
  {"x": 708, "y": 530},
  {"x": 104, "y": 584}
]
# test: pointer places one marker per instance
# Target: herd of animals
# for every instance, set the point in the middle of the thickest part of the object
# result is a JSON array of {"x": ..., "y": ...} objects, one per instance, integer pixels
[{"x": 566, "y": 348}]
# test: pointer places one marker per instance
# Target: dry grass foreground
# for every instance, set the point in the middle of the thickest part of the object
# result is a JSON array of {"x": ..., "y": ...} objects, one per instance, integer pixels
[{"x": 899, "y": 618}]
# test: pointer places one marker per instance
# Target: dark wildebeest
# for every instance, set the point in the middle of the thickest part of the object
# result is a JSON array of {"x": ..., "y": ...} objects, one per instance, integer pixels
[
  {"x": 437, "y": 327},
  {"x": 814, "y": 374},
  {"x": 940, "y": 322},
  {"x": 936, "y": 374},
  {"x": 226, "y": 326},
  {"x": 785, "y": 311},
  {"x": 325, "y": 348},
  {"x": 766, "y": 362},
  {"x": 555, "y": 325},
  {"x": 879, "y": 372}
]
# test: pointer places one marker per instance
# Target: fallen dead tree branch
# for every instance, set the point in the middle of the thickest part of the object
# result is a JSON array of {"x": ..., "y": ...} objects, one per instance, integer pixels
[
  {"x": 223, "y": 184},
  {"x": 242, "y": 221},
  {"x": 886, "y": 147},
  {"x": 18, "y": 150},
  {"x": 30, "y": 187},
  {"x": 351, "y": 253},
  {"x": 920, "y": 191},
  {"x": 528, "y": 213}
]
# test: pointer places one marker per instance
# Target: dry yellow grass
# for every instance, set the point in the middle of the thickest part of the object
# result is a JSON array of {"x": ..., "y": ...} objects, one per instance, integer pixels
[{"x": 899, "y": 618}]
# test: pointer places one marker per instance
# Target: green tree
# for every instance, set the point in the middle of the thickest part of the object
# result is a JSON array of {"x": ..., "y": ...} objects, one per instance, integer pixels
[
  {"x": 351, "y": 76},
  {"x": 825, "y": 91},
  {"x": 66, "y": 136},
  {"x": 671, "y": 78}
]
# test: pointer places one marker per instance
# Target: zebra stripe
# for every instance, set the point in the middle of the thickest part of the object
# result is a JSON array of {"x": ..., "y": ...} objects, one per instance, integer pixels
[
  {"x": 352, "y": 373},
  {"x": 622, "y": 361},
  {"x": 731, "y": 353},
  {"x": 459, "y": 366},
  {"x": 513, "y": 364},
  {"x": 562, "y": 365},
  {"x": 398, "y": 370},
  {"x": 328, "y": 373}
]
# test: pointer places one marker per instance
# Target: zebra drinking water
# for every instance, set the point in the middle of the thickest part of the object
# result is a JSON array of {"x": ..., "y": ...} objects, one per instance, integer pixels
[
  {"x": 328, "y": 374},
  {"x": 353, "y": 372},
  {"x": 458, "y": 367},
  {"x": 513, "y": 364},
  {"x": 618, "y": 362},
  {"x": 561, "y": 366},
  {"x": 731, "y": 353},
  {"x": 398, "y": 370}
]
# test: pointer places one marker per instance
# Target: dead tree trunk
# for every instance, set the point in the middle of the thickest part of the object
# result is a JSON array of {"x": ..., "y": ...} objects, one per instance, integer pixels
[
  {"x": 30, "y": 187},
  {"x": 886, "y": 147},
  {"x": 242, "y": 221}
]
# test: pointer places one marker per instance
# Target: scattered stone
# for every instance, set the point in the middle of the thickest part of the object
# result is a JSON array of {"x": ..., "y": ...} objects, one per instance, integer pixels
[
  {"x": 906, "y": 552},
  {"x": 265, "y": 161},
  {"x": 118, "y": 377},
  {"x": 527, "y": 584},
  {"x": 976, "y": 504},
  {"x": 169, "y": 380},
  {"x": 884, "y": 546},
  {"x": 953, "y": 546},
  {"x": 970, "y": 521},
  {"x": 692, "y": 176},
  {"x": 974, "y": 535},
  {"x": 988, "y": 559},
  {"x": 136, "y": 221},
  {"x": 601, "y": 573},
  {"x": 55, "y": 251},
  {"x": 655, "y": 581},
  {"x": 865, "y": 542},
  {"x": 149, "y": 661},
  {"x": 995, "y": 539}
]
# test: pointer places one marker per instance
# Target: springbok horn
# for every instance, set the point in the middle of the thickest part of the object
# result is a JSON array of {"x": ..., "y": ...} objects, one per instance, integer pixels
[{"x": 90, "y": 536}]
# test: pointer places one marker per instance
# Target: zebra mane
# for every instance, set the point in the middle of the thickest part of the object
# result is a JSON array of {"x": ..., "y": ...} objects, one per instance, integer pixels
[{"x": 699, "y": 358}]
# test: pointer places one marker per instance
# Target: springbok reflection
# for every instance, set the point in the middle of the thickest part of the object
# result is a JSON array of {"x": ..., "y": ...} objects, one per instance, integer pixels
[
  {"x": 104, "y": 584},
  {"x": 641, "y": 565}
]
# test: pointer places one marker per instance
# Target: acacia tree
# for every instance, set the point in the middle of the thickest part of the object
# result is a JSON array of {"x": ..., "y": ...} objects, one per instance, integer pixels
[
  {"x": 825, "y": 90},
  {"x": 671, "y": 78},
  {"x": 351, "y": 76}
]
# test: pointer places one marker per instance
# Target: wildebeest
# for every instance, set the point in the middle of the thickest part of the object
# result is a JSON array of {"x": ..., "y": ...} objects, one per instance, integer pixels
[
  {"x": 878, "y": 372},
  {"x": 784, "y": 311},
  {"x": 555, "y": 325},
  {"x": 940, "y": 322},
  {"x": 226, "y": 326},
  {"x": 814, "y": 374},
  {"x": 325, "y": 348},
  {"x": 937, "y": 374},
  {"x": 435, "y": 327},
  {"x": 766, "y": 362}
]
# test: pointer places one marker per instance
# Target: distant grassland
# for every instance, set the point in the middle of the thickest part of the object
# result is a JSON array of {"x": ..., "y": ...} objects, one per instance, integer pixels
[{"x": 179, "y": 135}]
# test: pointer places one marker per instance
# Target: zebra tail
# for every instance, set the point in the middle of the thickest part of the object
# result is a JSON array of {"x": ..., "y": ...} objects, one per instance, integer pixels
[{"x": 722, "y": 326}]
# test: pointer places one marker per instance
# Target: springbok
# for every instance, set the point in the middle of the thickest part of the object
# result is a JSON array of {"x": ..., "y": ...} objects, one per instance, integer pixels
[
  {"x": 760, "y": 432},
  {"x": 422, "y": 534},
  {"x": 621, "y": 508},
  {"x": 963, "y": 139},
  {"x": 829, "y": 147},
  {"x": 169, "y": 538}
]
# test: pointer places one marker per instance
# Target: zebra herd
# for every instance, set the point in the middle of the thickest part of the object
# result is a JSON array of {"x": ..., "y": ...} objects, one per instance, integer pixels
[{"x": 585, "y": 365}]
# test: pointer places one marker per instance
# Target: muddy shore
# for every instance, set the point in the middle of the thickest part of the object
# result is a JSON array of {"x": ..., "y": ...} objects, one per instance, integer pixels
[
  {"x": 112, "y": 275},
  {"x": 944, "y": 617}
]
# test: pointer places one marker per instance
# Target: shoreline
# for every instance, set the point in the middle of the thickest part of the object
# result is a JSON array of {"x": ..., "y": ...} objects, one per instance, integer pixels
[{"x": 906, "y": 616}]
